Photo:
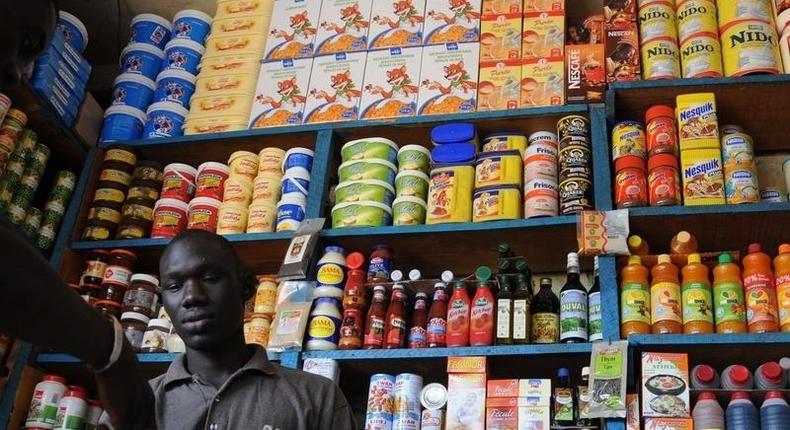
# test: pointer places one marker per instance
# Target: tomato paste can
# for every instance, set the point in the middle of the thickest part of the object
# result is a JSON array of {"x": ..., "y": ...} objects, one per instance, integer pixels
[
  {"x": 381, "y": 402},
  {"x": 628, "y": 138}
]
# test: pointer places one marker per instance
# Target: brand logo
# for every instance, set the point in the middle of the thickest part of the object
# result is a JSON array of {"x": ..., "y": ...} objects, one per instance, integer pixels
[
  {"x": 697, "y": 48},
  {"x": 702, "y": 168},
  {"x": 745, "y": 36},
  {"x": 694, "y": 10},
  {"x": 574, "y": 70},
  {"x": 322, "y": 327},
  {"x": 695, "y": 111},
  {"x": 661, "y": 50},
  {"x": 653, "y": 14}
]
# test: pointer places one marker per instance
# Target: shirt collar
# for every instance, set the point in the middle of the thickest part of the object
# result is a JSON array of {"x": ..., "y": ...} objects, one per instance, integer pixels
[{"x": 258, "y": 362}]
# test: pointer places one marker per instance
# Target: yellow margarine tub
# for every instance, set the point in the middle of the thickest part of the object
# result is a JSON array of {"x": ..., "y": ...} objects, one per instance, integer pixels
[
  {"x": 738, "y": 10},
  {"x": 270, "y": 160},
  {"x": 266, "y": 188},
  {"x": 496, "y": 203},
  {"x": 218, "y": 124},
  {"x": 696, "y": 16},
  {"x": 224, "y": 104},
  {"x": 703, "y": 176},
  {"x": 660, "y": 59},
  {"x": 238, "y": 190},
  {"x": 450, "y": 194},
  {"x": 226, "y": 83},
  {"x": 261, "y": 217},
  {"x": 235, "y": 45},
  {"x": 230, "y": 8},
  {"x": 698, "y": 125},
  {"x": 750, "y": 47},
  {"x": 700, "y": 56},
  {"x": 499, "y": 169},
  {"x": 244, "y": 164},
  {"x": 245, "y": 24},
  {"x": 237, "y": 64},
  {"x": 232, "y": 219}
]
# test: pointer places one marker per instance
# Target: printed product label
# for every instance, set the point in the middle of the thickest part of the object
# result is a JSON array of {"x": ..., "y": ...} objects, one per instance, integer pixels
[
  {"x": 728, "y": 302},
  {"x": 760, "y": 299},
  {"x": 397, "y": 331},
  {"x": 482, "y": 311},
  {"x": 65, "y": 418},
  {"x": 563, "y": 404},
  {"x": 43, "y": 407},
  {"x": 584, "y": 402},
  {"x": 488, "y": 171},
  {"x": 140, "y": 298},
  {"x": 635, "y": 303},
  {"x": 209, "y": 181},
  {"x": 95, "y": 269},
  {"x": 113, "y": 175},
  {"x": 545, "y": 328},
  {"x": 457, "y": 315},
  {"x": 375, "y": 336},
  {"x": 665, "y": 300},
  {"x": 324, "y": 327},
  {"x": 596, "y": 317},
  {"x": 120, "y": 155},
  {"x": 697, "y": 303},
  {"x": 441, "y": 198},
  {"x": 117, "y": 275},
  {"x": 503, "y": 318},
  {"x": 573, "y": 315},
  {"x": 521, "y": 319},
  {"x": 331, "y": 275},
  {"x": 783, "y": 298},
  {"x": 417, "y": 337},
  {"x": 437, "y": 331},
  {"x": 380, "y": 268}
]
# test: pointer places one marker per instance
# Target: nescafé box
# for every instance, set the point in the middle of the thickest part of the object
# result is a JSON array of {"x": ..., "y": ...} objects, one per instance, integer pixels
[
  {"x": 343, "y": 26},
  {"x": 392, "y": 83},
  {"x": 449, "y": 21},
  {"x": 500, "y": 83},
  {"x": 585, "y": 73},
  {"x": 396, "y": 23},
  {"x": 281, "y": 93},
  {"x": 542, "y": 83},
  {"x": 622, "y": 54},
  {"x": 448, "y": 79},
  {"x": 335, "y": 87},
  {"x": 292, "y": 29}
]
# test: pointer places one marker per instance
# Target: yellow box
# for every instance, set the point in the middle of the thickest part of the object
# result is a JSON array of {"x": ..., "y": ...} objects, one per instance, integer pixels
[
  {"x": 500, "y": 37},
  {"x": 466, "y": 365},
  {"x": 698, "y": 124},
  {"x": 450, "y": 195},
  {"x": 534, "y": 417},
  {"x": 235, "y": 45},
  {"x": 216, "y": 105},
  {"x": 292, "y": 30},
  {"x": 534, "y": 388},
  {"x": 500, "y": 83},
  {"x": 215, "y": 124},
  {"x": 344, "y": 26},
  {"x": 234, "y": 26},
  {"x": 497, "y": 203},
  {"x": 221, "y": 65},
  {"x": 543, "y": 5},
  {"x": 448, "y": 79},
  {"x": 498, "y": 7},
  {"x": 543, "y": 35},
  {"x": 225, "y": 83},
  {"x": 235, "y": 8},
  {"x": 466, "y": 401},
  {"x": 703, "y": 177},
  {"x": 542, "y": 83}
]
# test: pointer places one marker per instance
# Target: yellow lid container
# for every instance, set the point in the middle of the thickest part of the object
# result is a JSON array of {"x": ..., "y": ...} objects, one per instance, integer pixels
[
  {"x": 261, "y": 217},
  {"x": 496, "y": 203},
  {"x": 235, "y": 45},
  {"x": 238, "y": 190},
  {"x": 266, "y": 188},
  {"x": 216, "y": 124},
  {"x": 232, "y": 219},
  {"x": 243, "y": 163},
  {"x": 243, "y": 83},
  {"x": 450, "y": 194},
  {"x": 223, "y": 64},
  {"x": 271, "y": 161},
  {"x": 499, "y": 169}
]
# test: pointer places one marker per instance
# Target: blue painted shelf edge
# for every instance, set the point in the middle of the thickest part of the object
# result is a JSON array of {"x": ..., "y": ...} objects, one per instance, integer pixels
[
  {"x": 717, "y": 209},
  {"x": 153, "y": 243},
  {"x": 60, "y": 358},
  {"x": 744, "y": 80},
  {"x": 489, "y": 351},
  {"x": 708, "y": 339}
]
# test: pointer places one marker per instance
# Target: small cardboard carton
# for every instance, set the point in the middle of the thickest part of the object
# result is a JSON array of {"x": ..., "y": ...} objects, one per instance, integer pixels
[
  {"x": 534, "y": 418},
  {"x": 466, "y": 393},
  {"x": 335, "y": 87},
  {"x": 292, "y": 29},
  {"x": 392, "y": 83},
  {"x": 586, "y": 73},
  {"x": 543, "y": 5},
  {"x": 543, "y": 35},
  {"x": 632, "y": 416},
  {"x": 449, "y": 21},
  {"x": 343, "y": 26},
  {"x": 619, "y": 13},
  {"x": 281, "y": 93},
  {"x": 622, "y": 54},
  {"x": 669, "y": 424},
  {"x": 503, "y": 388},
  {"x": 448, "y": 79},
  {"x": 665, "y": 385},
  {"x": 500, "y": 37},
  {"x": 500, "y": 83},
  {"x": 396, "y": 23},
  {"x": 502, "y": 413},
  {"x": 534, "y": 388},
  {"x": 500, "y": 7}
]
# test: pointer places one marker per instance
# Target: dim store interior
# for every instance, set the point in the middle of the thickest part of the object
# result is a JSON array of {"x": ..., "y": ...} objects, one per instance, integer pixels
[{"x": 657, "y": 328}]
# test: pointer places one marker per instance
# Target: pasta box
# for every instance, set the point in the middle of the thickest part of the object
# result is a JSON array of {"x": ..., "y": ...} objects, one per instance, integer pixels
[
  {"x": 335, "y": 87},
  {"x": 343, "y": 26},
  {"x": 501, "y": 413},
  {"x": 396, "y": 23},
  {"x": 586, "y": 73},
  {"x": 392, "y": 83},
  {"x": 542, "y": 83},
  {"x": 622, "y": 54},
  {"x": 500, "y": 83},
  {"x": 669, "y": 424},
  {"x": 543, "y": 35},
  {"x": 449, "y": 21},
  {"x": 448, "y": 79},
  {"x": 292, "y": 29},
  {"x": 665, "y": 385},
  {"x": 281, "y": 93}
]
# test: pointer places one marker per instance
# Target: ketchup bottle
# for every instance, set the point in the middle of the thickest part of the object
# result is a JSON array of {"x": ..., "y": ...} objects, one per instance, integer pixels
[
  {"x": 481, "y": 319},
  {"x": 419, "y": 320},
  {"x": 354, "y": 290},
  {"x": 458, "y": 316},
  {"x": 395, "y": 328},
  {"x": 437, "y": 317},
  {"x": 374, "y": 323}
]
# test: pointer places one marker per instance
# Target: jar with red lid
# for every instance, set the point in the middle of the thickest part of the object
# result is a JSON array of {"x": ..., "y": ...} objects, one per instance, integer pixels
[
  {"x": 662, "y": 133},
  {"x": 142, "y": 295},
  {"x": 630, "y": 184},
  {"x": 354, "y": 294},
  {"x": 108, "y": 308},
  {"x": 664, "y": 180},
  {"x": 95, "y": 267},
  {"x": 119, "y": 268},
  {"x": 380, "y": 265},
  {"x": 134, "y": 326}
]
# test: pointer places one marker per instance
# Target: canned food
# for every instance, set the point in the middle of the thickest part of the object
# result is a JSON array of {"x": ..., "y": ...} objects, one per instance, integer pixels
[
  {"x": 114, "y": 178},
  {"x": 573, "y": 125},
  {"x": 696, "y": 16},
  {"x": 541, "y": 162},
  {"x": 381, "y": 403},
  {"x": 7, "y": 144},
  {"x": 15, "y": 165},
  {"x": 541, "y": 198},
  {"x": 45, "y": 239},
  {"x": 119, "y": 156},
  {"x": 32, "y": 222},
  {"x": 432, "y": 419},
  {"x": 576, "y": 195},
  {"x": 27, "y": 142},
  {"x": 741, "y": 186},
  {"x": 660, "y": 59},
  {"x": 700, "y": 56},
  {"x": 661, "y": 132},
  {"x": 98, "y": 231},
  {"x": 737, "y": 10},
  {"x": 109, "y": 195},
  {"x": 143, "y": 193},
  {"x": 132, "y": 231},
  {"x": 102, "y": 213},
  {"x": 141, "y": 210},
  {"x": 543, "y": 137},
  {"x": 575, "y": 162},
  {"x": 628, "y": 138},
  {"x": 498, "y": 169},
  {"x": 657, "y": 20},
  {"x": 148, "y": 171},
  {"x": 737, "y": 151},
  {"x": 750, "y": 46},
  {"x": 406, "y": 394},
  {"x": 703, "y": 177}
]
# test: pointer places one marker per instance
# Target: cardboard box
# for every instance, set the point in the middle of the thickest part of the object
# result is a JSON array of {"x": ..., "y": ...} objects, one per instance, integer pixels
[
  {"x": 448, "y": 79},
  {"x": 665, "y": 385},
  {"x": 292, "y": 29},
  {"x": 542, "y": 83},
  {"x": 343, "y": 26},
  {"x": 466, "y": 365},
  {"x": 622, "y": 54},
  {"x": 502, "y": 388},
  {"x": 448, "y": 21},
  {"x": 325, "y": 367},
  {"x": 543, "y": 5},
  {"x": 502, "y": 413},
  {"x": 396, "y": 23},
  {"x": 335, "y": 87},
  {"x": 586, "y": 73},
  {"x": 500, "y": 83},
  {"x": 632, "y": 416},
  {"x": 466, "y": 401},
  {"x": 619, "y": 13},
  {"x": 534, "y": 388},
  {"x": 281, "y": 93},
  {"x": 500, "y": 37},
  {"x": 773, "y": 184},
  {"x": 501, "y": 7},
  {"x": 392, "y": 83},
  {"x": 586, "y": 26},
  {"x": 669, "y": 424},
  {"x": 534, "y": 418},
  {"x": 543, "y": 35}
]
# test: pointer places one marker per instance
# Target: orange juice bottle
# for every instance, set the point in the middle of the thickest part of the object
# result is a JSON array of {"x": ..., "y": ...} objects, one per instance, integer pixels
[
  {"x": 665, "y": 297},
  {"x": 696, "y": 297},
  {"x": 758, "y": 283},
  {"x": 782, "y": 271},
  {"x": 728, "y": 301},
  {"x": 638, "y": 246},
  {"x": 634, "y": 299}
]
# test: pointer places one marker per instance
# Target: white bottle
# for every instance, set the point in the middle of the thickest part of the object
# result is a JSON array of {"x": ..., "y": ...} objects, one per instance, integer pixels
[
  {"x": 44, "y": 404},
  {"x": 323, "y": 330},
  {"x": 707, "y": 413},
  {"x": 72, "y": 410}
]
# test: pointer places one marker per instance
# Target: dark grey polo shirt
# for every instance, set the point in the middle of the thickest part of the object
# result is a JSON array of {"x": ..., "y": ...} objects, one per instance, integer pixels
[{"x": 259, "y": 396}]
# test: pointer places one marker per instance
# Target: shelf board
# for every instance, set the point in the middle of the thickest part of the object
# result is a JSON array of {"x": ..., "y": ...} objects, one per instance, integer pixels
[
  {"x": 450, "y": 228},
  {"x": 488, "y": 351},
  {"x": 56, "y": 358},
  {"x": 729, "y": 339},
  {"x": 161, "y": 243},
  {"x": 669, "y": 83}
]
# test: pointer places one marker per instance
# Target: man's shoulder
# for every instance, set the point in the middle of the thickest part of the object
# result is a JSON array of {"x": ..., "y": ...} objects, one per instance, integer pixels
[
  {"x": 156, "y": 383},
  {"x": 301, "y": 377}
]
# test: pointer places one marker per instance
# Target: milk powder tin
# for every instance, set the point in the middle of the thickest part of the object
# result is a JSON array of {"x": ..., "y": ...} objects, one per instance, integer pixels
[
  {"x": 657, "y": 20},
  {"x": 737, "y": 10},
  {"x": 741, "y": 186},
  {"x": 750, "y": 46},
  {"x": 660, "y": 59},
  {"x": 541, "y": 198},
  {"x": 696, "y": 16},
  {"x": 737, "y": 150},
  {"x": 700, "y": 56},
  {"x": 541, "y": 162},
  {"x": 380, "y": 402}
]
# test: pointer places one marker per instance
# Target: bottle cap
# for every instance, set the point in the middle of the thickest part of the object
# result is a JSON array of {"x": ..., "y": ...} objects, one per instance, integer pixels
[
  {"x": 706, "y": 395},
  {"x": 739, "y": 395},
  {"x": 573, "y": 259},
  {"x": 774, "y": 395},
  {"x": 771, "y": 370},
  {"x": 705, "y": 373},
  {"x": 379, "y": 288},
  {"x": 396, "y": 276},
  {"x": 585, "y": 371},
  {"x": 331, "y": 249},
  {"x": 634, "y": 260},
  {"x": 755, "y": 247},
  {"x": 739, "y": 374},
  {"x": 483, "y": 274},
  {"x": 421, "y": 295},
  {"x": 545, "y": 281},
  {"x": 658, "y": 111},
  {"x": 664, "y": 259},
  {"x": 447, "y": 276},
  {"x": 784, "y": 248},
  {"x": 439, "y": 285},
  {"x": 415, "y": 275},
  {"x": 683, "y": 237},
  {"x": 503, "y": 247},
  {"x": 694, "y": 258},
  {"x": 563, "y": 372},
  {"x": 355, "y": 260},
  {"x": 55, "y": 378},
  {"x": 634, "y": 241},
  {"x": 725, "y": 258},
  {"x": 785, "y": 363}
]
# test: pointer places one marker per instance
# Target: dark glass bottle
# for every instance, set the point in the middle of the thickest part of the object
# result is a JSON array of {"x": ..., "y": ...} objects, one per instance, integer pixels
[
  {"x": 573, "y": 305},
  {"x": 522, "y": 310},
  {"x": 545, "y": 314},
  {"x": 504, "y": 313}
]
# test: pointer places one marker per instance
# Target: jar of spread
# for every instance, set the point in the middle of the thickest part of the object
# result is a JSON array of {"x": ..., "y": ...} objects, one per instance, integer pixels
[
  {"x": 113, "y": 178},
  {"x": 98, "y": 230},
  {"x": 95, "y": 267},
  {"x": 108, "y": 212},
  {"x": 138, "y": 209},
  {"x": 141, "y": 296},
  {"x": 380, "y": 265},
  {"x": 119, "y": 268},
  {"x": 148, "y": 172},
  {"x": 630, "y": 186},
  {"x": 661, "y": 130},
  {"x": 258, "y": 330},
  {"x": 119, "y": 158},
  {"x": 628, "y": 138},
  {"x": 143, "y": 192},
  {"x": 155, "y": 337},
  {"x": 108, "y": 308},
  {"x": 266, "y": 296},
  {"x": 112, "y": 292},
  {"x": 131, "y": 229},
  {"x": 134, "y": 325},
  {"x": 109, "y": 195},
  {"x": 664, "y": 180}
]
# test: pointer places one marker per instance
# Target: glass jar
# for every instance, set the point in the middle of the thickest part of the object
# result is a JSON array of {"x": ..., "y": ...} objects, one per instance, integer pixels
[
  {"x": 134, "y": 326},
  {"x": 155, "y": 337},
  {"x": 630, "y": 185},
  {"x": 266, "y": 296},
  {"x": 108, "y": 308},
  {"x": 258, "y": 330},
  {"x": 380, "y": 264},
  {"x": 175, "y": 344},
  {"x": 112, "y": 292},
  {"x": 119, "y": 268},
  {"x": 95, "y": 267},
  {"x": 119, "y": 158},
  {"x": 82, "y": 291},
  {"x": 141, "y": 296},
  {"x": 664, "y": 180},
  {"x": 148, "y": 172}
]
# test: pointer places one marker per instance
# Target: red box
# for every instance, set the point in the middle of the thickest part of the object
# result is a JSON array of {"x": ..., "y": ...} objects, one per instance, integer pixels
[
  {"x": 622, "y": 54},
  {"x": 585, "y": 79},
  {"x": 619, "y": 13},
  {"x": 502, "y": 388},
  {"x": 502, "y": 413}
]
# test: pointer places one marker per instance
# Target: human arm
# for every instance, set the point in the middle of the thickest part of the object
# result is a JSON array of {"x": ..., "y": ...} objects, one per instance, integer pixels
[{"x": 337, "y": 411}]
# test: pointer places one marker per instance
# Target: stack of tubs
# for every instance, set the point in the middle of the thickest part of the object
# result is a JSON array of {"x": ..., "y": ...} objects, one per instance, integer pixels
[
  {"x": 452, "y": 177},
  {"x": 411, "y": 186},
  {"x": 61, "y": 73},
  {"x": 365, "y": 192},
  {"x": 225, "y": 87},
  {"x": 104, "y": 215},
  {"x": 499, "y": 178},
  {"x": 297, "y": 167}
]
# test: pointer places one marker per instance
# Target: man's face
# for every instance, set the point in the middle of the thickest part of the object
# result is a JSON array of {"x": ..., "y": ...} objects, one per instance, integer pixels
[
  {"x": 25, "y": 30},
  {"x": 202, "y": 292}
]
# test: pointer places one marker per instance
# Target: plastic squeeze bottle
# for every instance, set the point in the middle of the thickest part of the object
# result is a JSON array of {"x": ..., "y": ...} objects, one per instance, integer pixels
[
  {"x": 458, "y": 316},
  {"x": 736, "y": 377},
  {"x": 782, "y": 272},
  {"x": 728, "y": 300},
  {"x": 770, "y": 376},
  {"x": 774, "y": 413},
  {"x": 696, "y": 297},
  {"x": 665, "y": 297},
  {"x": 707, "y": 413},
  {"x": 704, "y": 376},
  {"x": 741, "y": 413},
  {"x": 482, "y": 312},
  {"x": 634, "y": 299},
  {"x": 760, "y": 290},
  {"x": 638, "y": 246}
]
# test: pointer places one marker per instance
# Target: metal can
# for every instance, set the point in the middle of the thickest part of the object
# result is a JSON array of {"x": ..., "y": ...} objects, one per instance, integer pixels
[
  {"x": 741, "y": 186},
  {"x": 433, "y": 396},
  {"x": 15, "y": 165},
  {"x": 750, "y": 46},
  {"x": 541, "y": 161},
  {"x": 407, "y": 391},
  {"x": 576, "y": 195},
  {"x": 381, "y": 403},
  {"x": 700, "y": 56},
  {"x": 737, "y": 151},
  {"x": 575, "y": 162},
  {"x": 736, "y": 10},
  {"x": 660, "y": 59},
  {"x": 32, "y": 222},
  {"x": 731, "y": 129},
  {"x": 541, "y": 198},
  {"x": 773, "y": 195},
  {"x": 543, "y": 137},
  {"x": 657, "y": 20},
  {"x": 432, "y": 419},
  {"x": 696, "y": 16},
  {"x": 27, "y": 142},
  {"x": 628, "y": 138},
  {"x": 573, "y": 125}
]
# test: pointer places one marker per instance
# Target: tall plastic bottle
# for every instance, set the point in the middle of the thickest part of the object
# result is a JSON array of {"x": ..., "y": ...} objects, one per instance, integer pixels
[
  {"x": 665, "y": 297},
  {"x": 758, "y": 282},
  {"x": 458, "y": 316},
  {"x": 707, "y": 413},
  {"x": 697, "y": 297},
  {"x": 728, "y": 301},
  {"x": 741, "y": 413},
  {"x": 736, "y": 377},
  {"x": 775, "y": 412},
  {"x": 770, "y": 376},
  {"x": 782, "y": 272},
  {"x": 634, "y": 299},
  {"x": 638, "y": 246},
  {"x": 705, "y": 377},
  {"x": 482, "y": 311}
]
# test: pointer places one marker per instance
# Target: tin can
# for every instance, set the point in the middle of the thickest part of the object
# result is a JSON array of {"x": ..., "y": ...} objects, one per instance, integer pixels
[
  {"x": 696, "y": 16},
  {"x": 700, "y": 56},
  {"x": 773, "y": 195},
  {"x": 576, "y": 195},
  {"x": 45, "y": 239},
  {"x": 660, "y": 59},
  {"x": 27, "y": 142},
  {"x": 731, "y": 129},
  {"x": 741, "y": 186},
  {"x": 407, "y": 391},
  {"x": 628, "y": 138},
  {"x": 432, "y": 419},
  {"x": 541, "y": 198},
  {"x": 575, "y": 162},
  {"x": 5, "y": 104},
  {"x": 15, "y": 165},
  {"x": 540, "y": 161},
  {"x": 381, "y": 403},
  {"x": 573, "y": 125},
  {"x": 433, "y": 396},
  {"x": 657, "y": 20},
  {"x": 737, "y": 151},
  {"x": 750, "y": 46},
  {"x": 736, "y": 10},
  {"x": 703, "y": 177},
  {"x": 32, "y": 222},
  {"x": 543, "y": 137}
]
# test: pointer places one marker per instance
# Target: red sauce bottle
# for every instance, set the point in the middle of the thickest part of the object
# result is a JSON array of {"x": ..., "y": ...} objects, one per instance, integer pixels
[
  {"x": 374, "y": 323},
  {"x": 354, "y": 290},
  {"x": 458, "y": 316},
  {"x": 419, "y": 321},
  {"x": 481, "y": 332},
  {"x": 395, "y": 329},
  {"x": 437, "y": 317}
]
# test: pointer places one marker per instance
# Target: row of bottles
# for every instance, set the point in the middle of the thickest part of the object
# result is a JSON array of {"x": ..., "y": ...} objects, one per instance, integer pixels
[
  {"x": 771, "y": 375},
  {"x": 741, "y": 413}
]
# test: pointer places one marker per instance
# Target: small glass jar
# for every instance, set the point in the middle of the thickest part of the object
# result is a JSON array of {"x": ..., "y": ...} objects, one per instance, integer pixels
[
  {"x": 258, "y": 330},
  {"x": 119, "y": 269},
  {"x": 134, "y": 326},
  {"x": 175, "y": 344},
  {"x": 266, "y": 296},
  {"x": 141, "y": 296},
  {"x": 155, "y": 337},
  {"x": 95, "y": 266},
  {"x": 119, "y": 158},
  {"x": 112, "y": 292},
  {"x": 108, "y": 308},
  {"x": 148, "y": 172}
]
